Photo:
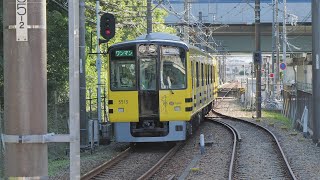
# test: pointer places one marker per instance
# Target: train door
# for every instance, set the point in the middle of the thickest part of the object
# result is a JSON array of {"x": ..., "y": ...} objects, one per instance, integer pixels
[{"x": 148, "y": 91}]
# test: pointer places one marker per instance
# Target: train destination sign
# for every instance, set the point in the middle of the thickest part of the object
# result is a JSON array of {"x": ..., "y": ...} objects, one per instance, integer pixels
[
  {"x": 21, "y": 20},
  {"x": 123, "y": 53}
]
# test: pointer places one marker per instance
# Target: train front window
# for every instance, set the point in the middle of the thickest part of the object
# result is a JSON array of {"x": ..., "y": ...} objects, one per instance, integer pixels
[
  {"x": 148, "y": 73},
  {"x": 123, "y": 75},
  {"x": 172, "y": 68}
]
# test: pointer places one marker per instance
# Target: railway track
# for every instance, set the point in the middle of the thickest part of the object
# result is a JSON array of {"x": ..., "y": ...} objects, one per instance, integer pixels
[
  {"x": 138, "y": 162},
  {"x": 259, "y": 155},
  {"x": 236, "y": 139}
]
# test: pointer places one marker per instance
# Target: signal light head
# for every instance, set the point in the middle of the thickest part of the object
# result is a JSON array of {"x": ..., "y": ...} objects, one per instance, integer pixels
[{"x": 107, "y": 26}]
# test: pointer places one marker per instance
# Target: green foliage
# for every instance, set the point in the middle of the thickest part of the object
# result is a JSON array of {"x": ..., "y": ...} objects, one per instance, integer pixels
[{"x": 57, "y": 64}]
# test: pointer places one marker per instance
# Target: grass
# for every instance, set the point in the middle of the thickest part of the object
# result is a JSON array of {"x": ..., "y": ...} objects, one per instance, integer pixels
[
  {"x": 277, "y": 117},
  {"x": 56, "y": 166}
]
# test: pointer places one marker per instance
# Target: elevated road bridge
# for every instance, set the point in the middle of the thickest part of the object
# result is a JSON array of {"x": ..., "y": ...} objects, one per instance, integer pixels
[{"x": 240, "y": 38}]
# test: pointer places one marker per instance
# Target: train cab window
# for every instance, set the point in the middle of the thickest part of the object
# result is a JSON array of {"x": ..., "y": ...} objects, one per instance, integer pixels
[
  {"x": 172, "y": 68},
  {"x": 148, "y": 73},
  {"x": 123, "y": 75}
]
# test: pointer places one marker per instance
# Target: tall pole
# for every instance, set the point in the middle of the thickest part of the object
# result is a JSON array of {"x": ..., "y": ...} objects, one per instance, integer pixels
[
  {"x": 82, "y": 53},
  {"x": 273, "y": 60},
  {"x": 25, "y": 87},
  {"x": 74, "y": 112},
  {"x": 277, "y": 74},
  {"x": 149, "y": 17},
  {"x": 98, "y": 62},
  {"x": 284, "y": 33},
  {"x": 186, "y": 20},
  {"x": 316, "y": 69},
  {"x": 258, "y": 64}
]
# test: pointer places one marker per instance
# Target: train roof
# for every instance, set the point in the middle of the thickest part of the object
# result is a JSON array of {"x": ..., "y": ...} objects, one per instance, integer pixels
[{"x": 159, "y": 37}]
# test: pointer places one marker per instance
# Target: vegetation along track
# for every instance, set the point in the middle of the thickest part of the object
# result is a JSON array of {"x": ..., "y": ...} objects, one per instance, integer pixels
[
  {"x": 236, "y": 139},
  {"x": 260, "y": 155},
  {"x": 138, "y": 162}
]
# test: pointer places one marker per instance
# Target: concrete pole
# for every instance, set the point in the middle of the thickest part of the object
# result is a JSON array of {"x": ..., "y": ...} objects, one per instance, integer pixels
[
  {"x": 258, "y": 64},
  {"x": 284, "y": 33},
  {"x": 25, "y": 90},
  {"x": 149, "y": 17},
  {"x": 186, "y": 19},
  {"x": 315, "y": 69},
  {"x": 82, "y": 53},
  {"x": 273, "y": 60},
  {"x": 74, "y": 107},
  {"x": 98, "y": 63},
  {"x": 277, "y": 74}
]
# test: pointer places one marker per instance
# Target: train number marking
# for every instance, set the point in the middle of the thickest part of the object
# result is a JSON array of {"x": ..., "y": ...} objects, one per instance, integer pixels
[{"x": 123, "y": 101}]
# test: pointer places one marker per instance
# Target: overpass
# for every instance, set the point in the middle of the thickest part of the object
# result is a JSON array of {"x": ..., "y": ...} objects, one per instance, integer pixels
[{"x": 240, "y": 38}]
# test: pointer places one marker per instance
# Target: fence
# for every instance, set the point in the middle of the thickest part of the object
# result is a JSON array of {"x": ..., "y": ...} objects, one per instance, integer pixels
[{"x": 296, "y": 98}]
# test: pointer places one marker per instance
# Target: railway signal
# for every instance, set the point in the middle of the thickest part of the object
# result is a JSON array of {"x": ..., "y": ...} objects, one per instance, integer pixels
[
  {"x": 257, "y": 57},
  {"x": 107, "y": 26}
]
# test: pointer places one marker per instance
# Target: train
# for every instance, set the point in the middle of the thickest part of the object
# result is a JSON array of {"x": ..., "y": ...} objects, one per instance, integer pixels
[{"x": 160, "y": 88}]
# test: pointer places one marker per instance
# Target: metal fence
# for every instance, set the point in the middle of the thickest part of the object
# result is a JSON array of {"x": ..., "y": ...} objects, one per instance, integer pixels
[{"x": 296, "y": 99}]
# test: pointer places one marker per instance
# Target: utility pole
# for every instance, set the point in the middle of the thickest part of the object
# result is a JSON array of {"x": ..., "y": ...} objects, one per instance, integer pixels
[
  {"x": 258, "y": 63},
  {"x": 186, "y": 20},
  {"x": 98, "y": 62},
  {"x": 149, "y": 17},
  {"x": 273, "y": 60},
  {"x": 74, "y": 105},
  {"x": 82, "y": 53},
  {"x": 277, "y": 74},
  {"x": 315, "y": 5},
  {"x": 25, "y": 89},
  {"x": 284, "y": 34}
]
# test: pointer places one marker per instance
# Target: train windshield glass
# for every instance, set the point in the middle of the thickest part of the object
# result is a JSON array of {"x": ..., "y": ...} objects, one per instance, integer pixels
[
  {"x": 123, "y": 75},
  {"x": 172, "y": 68},
  {"x": 148, "y": 73}
]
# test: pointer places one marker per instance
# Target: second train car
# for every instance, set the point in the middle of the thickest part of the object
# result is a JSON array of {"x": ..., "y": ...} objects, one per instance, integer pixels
[{"x": 159, "y": 88}]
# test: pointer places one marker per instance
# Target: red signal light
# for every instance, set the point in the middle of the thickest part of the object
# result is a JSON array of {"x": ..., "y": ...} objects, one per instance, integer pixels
[{"x": 108, "y": 32}]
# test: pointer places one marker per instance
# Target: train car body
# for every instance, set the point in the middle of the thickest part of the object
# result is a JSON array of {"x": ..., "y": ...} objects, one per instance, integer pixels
[{"x": 159, "y": 88}]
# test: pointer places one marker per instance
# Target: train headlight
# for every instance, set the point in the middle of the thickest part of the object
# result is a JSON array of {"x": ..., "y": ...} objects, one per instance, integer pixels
[
  {"x": 142, "y": 48},
  {"x": 177, "y": 108},
  {"x": 120, "y": 109},
  {"x": 152, "y": 48}
]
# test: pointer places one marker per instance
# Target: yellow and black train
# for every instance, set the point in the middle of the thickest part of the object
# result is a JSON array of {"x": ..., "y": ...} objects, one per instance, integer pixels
[{"x": 159, "y": 88}]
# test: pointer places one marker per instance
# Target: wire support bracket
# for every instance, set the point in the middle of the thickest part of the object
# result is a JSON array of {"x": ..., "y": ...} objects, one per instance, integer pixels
[{"x": 44, "y": 138}]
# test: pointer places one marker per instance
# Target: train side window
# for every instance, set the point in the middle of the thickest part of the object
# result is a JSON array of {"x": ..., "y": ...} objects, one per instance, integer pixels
[
  {"x": 192, "y": 72},
  {"x": 207, "y": 75},
  {"x": 211, "y": 74},
  {"x": 197, "y": 74},
  {"x": 202, "y": 75}
]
